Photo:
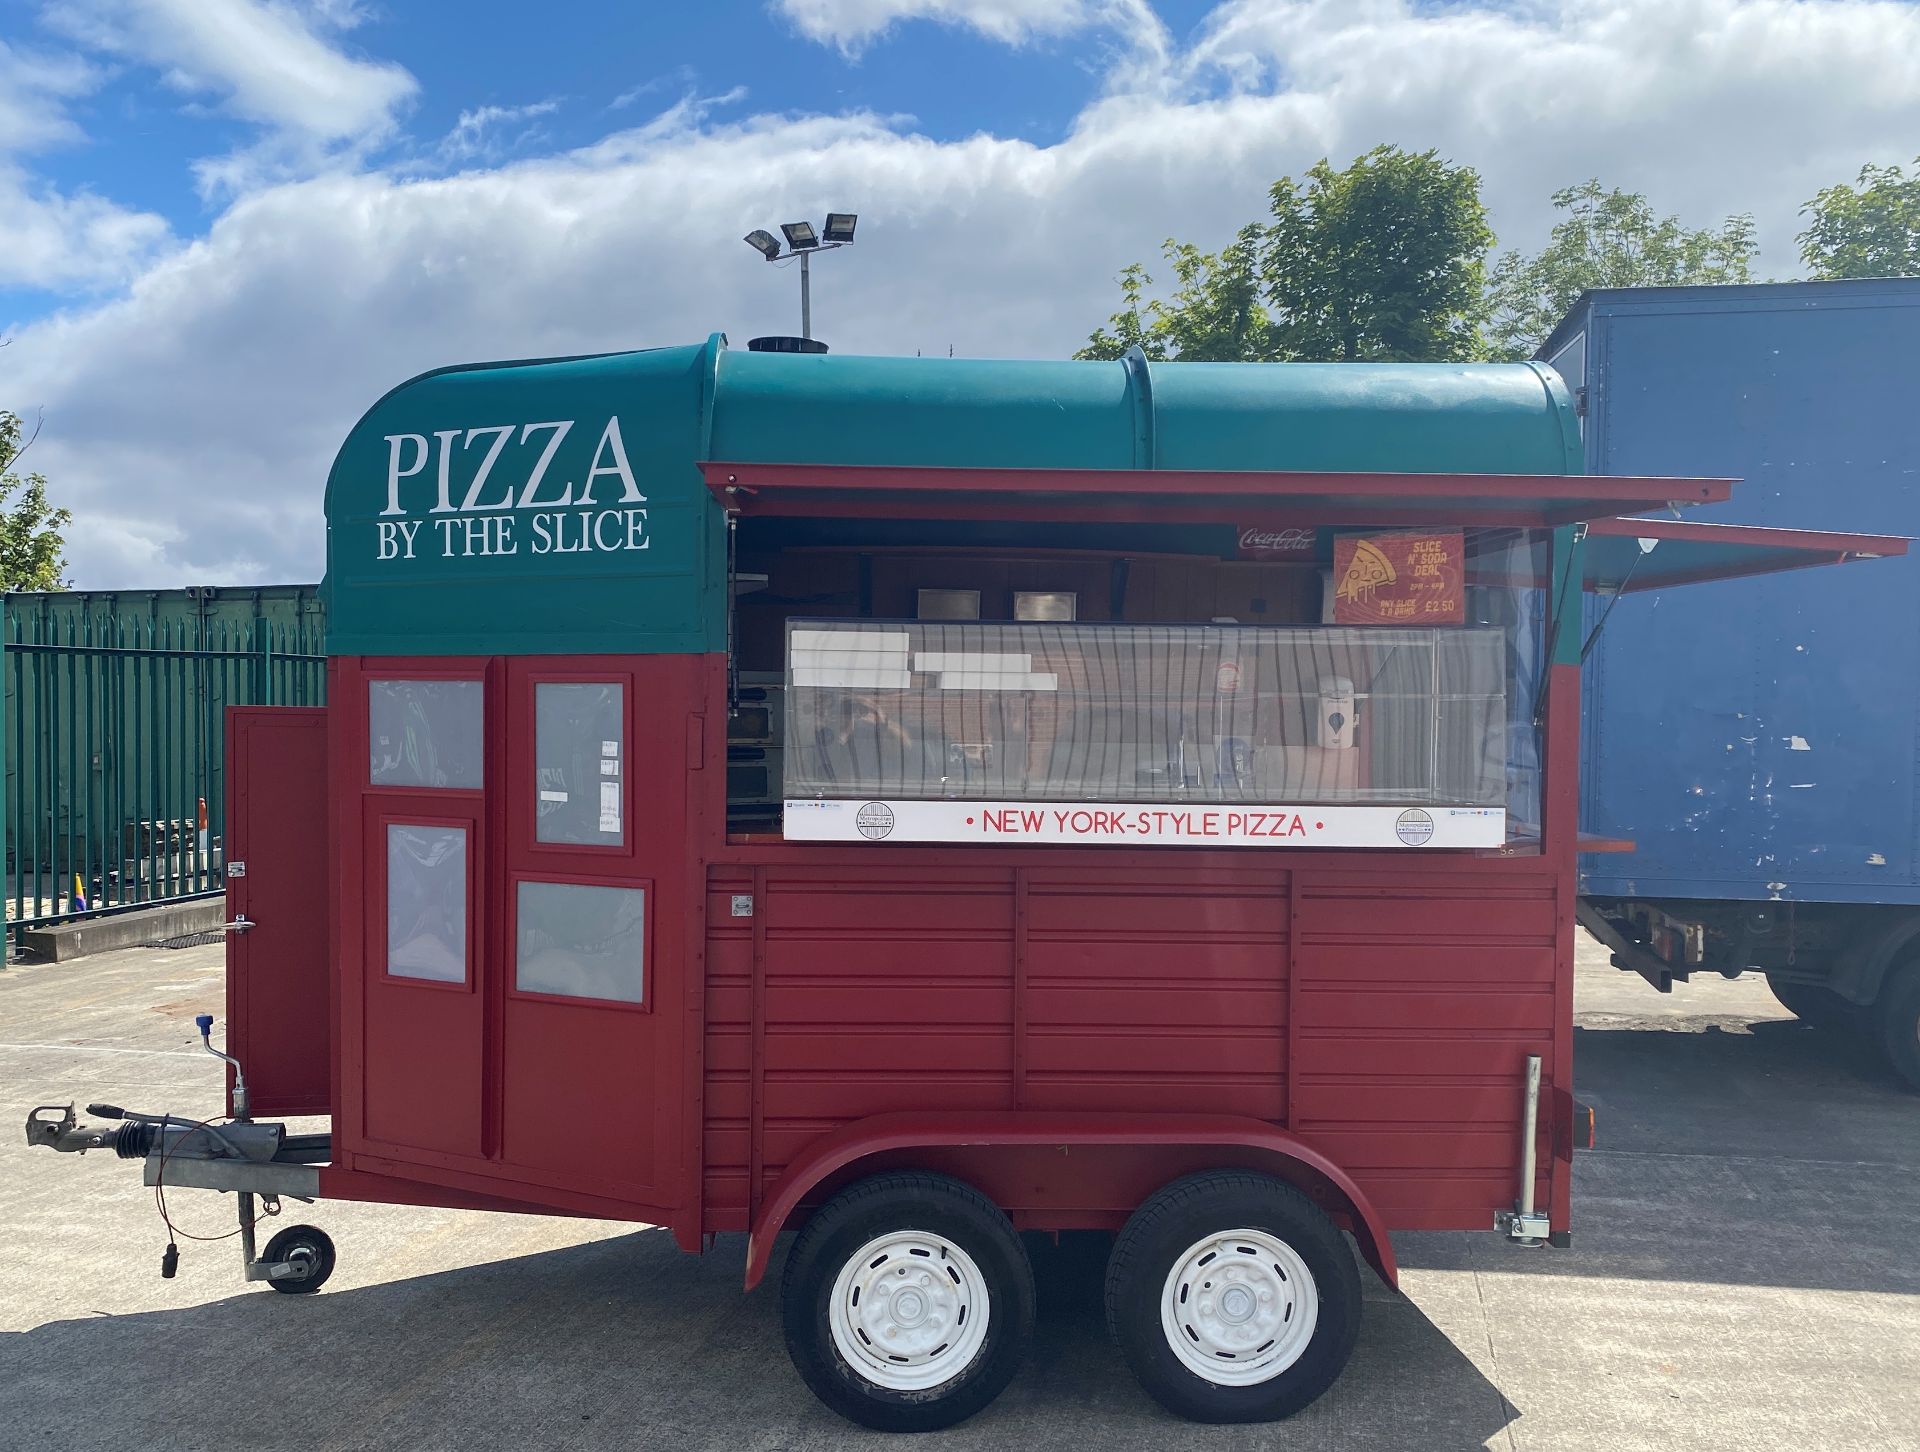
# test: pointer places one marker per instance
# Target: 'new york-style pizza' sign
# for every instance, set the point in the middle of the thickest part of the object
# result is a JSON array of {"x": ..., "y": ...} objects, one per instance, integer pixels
[{"x": 1143, "y": 824}]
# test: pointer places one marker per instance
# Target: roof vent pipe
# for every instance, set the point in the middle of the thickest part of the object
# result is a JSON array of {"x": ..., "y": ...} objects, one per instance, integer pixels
[{"x": 785, "y": 345}]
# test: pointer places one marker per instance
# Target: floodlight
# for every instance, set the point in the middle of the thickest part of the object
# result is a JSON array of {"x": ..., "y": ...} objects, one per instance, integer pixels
[{"x": 802, "y": 242}]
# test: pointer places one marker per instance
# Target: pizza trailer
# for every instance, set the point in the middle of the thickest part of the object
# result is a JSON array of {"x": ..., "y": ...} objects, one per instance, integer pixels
[{"x": 917, "y": 801}]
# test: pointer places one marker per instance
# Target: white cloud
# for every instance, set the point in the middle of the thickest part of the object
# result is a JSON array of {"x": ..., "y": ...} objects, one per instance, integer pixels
[
  {"x": 191, "y": 422},
  {"x": 35, "y": 90},
  {"x": 852, "y": 25},
  {"x": 60, "y": 241},
  {"x": 1710, "y": 106},
  {"x": 477, "y": 132},
  {"x": 274, "y": 63},
  {"x": 50, "y": 238},
  {"x": 682, "y": 78}
]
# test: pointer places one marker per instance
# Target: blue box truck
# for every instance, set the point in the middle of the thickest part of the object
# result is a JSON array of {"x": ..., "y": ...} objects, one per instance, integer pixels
[{"x": 1765, "y": 761}]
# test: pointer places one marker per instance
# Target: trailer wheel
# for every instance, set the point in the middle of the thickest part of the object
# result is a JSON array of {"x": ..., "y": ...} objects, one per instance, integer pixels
[
  {"x": 1233, "y": 1298},
  {"x": 907, "y": 1302},
  {"x": 301, "y": 1245},
  {"x": 1810, "y": 1003},
  {"x": 1897, "y": 1017}
]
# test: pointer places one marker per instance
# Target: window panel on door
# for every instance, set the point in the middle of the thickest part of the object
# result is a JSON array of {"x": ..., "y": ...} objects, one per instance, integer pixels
[
  {"x": 580, "y": 941},
  {"x": 425, "y": 734},
  {"x": 427, "y": 902},
  {"x": 580, "y": 763}
]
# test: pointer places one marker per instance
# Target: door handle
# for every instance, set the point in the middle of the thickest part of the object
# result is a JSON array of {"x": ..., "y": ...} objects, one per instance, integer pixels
[{"x": 239, "y": 925}]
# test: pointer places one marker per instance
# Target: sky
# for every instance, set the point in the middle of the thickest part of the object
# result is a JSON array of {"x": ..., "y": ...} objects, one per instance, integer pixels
[{"x": 228, "y": 226}]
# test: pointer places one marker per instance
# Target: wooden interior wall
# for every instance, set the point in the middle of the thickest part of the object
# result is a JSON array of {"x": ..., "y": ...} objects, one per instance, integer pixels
[
  {"x": 810, "y": 584},
  {"x": 884, "y": 585},
  {"x": 1250, "y": 592},
  {"x": 897, "y": 579}
]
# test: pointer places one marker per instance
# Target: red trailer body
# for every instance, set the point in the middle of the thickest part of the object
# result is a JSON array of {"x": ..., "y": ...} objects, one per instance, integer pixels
[
  {"x": 558, "y": 978},
  {"x": 1378, "y": 1008}
]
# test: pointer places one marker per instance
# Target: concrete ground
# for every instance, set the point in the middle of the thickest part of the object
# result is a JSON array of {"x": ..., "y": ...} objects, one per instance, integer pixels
[{"x": 1745, "y": 1274}]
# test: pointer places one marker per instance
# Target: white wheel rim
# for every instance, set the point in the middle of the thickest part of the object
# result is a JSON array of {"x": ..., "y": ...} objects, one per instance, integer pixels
[
  {"x": 909, "y": 1310},
  {"x": 1239, "y": 1307}
]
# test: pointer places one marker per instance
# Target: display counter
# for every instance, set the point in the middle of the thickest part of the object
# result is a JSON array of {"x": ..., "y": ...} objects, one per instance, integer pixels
[{"x": 944, "y": 731}]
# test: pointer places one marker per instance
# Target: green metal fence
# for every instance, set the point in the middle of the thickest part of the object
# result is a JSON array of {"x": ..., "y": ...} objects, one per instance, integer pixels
[{"x": 115, "y": 743}]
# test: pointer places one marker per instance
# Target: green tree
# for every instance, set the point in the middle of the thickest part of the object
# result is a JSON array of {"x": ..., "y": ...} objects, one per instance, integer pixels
[
  {"x": 1213, "y": 316},
  {"x": 1868, "y": 229},
  {"x": 1384, "y": 260},
  {"x": 32, "y": 550},
  {"x": 1608, "y": 238}
]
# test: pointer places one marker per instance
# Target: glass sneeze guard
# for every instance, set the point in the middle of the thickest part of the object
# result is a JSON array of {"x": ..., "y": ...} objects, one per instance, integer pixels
[{"x": 1077, "y": 712}]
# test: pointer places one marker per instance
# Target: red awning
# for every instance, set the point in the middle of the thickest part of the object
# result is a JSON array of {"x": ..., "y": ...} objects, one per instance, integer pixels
[
  {"x": 1180, "y": 496},
  {"x": 1685, "y": 553}
]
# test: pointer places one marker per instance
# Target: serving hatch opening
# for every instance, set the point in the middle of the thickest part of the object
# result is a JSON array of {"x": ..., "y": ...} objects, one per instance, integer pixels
[{"x": 1212, "y": 683}]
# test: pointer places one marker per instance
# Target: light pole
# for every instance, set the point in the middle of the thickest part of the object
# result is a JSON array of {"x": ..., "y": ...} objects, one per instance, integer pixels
[{"x": 803, "y": 242}]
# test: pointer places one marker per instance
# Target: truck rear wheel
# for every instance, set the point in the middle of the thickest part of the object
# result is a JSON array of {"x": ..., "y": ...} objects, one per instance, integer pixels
[
  {"x": 1233, "y": 1298},
  {"x": 1896, "y": 1015},
  {"x": 1811, "y": 1003},
  {"x": 908, "y": 1302}
]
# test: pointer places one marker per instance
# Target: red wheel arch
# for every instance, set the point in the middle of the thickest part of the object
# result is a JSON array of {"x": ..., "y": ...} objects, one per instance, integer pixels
[{"x": 1284, "y": 1153}]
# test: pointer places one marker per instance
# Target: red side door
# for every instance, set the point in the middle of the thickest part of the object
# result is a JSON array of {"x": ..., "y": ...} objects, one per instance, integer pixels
[
  {"x": 594, "y": 906},
  {"x": 279, "y": 999},
  {"x": 515, "y": 1013}
]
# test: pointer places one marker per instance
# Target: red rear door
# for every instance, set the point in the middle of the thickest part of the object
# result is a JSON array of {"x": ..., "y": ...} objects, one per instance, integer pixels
[
  {"x": 417, "y": 1014},
  {"x": 279, "y": 999}
]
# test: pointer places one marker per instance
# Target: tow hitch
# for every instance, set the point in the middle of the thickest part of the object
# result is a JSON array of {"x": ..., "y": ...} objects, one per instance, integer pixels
[{"x": 260, "y": 1162}]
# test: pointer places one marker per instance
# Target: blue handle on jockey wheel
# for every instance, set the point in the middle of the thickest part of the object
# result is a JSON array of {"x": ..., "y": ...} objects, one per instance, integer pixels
[{"x": 204, "y": 1022}]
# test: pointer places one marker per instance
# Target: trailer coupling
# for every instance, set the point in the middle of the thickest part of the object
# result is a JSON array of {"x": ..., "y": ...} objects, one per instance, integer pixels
[
  {"x": 261, "y": 1163},
  {"x": 258, "y": 1162},
  {"x": 143, "y": 1135}
]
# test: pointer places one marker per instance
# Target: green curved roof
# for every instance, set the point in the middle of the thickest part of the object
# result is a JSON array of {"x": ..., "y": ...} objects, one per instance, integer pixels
[
  {"x": 1388, "y": 418},
  {"x": 557, "y": 506}
]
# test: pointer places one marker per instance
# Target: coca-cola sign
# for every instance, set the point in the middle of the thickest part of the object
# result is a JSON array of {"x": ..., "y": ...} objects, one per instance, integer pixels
[{"x": 1263, "y": 542}]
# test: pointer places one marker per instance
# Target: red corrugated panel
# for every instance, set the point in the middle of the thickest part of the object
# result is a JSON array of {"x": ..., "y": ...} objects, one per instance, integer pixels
[
  {"x": 728, "y": 1104},
  {"x": 1143, "y": 982},
  {"x": 1416, "y": 1016},
  {"x": 1156, "y": 990}
]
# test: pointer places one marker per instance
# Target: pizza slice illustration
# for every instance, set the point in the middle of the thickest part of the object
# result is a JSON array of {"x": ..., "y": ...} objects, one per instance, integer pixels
[{"x": 1368, "y": 571}]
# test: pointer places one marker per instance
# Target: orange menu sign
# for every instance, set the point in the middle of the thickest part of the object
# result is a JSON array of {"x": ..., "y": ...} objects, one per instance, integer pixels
[{"x": 1412, "y": 577}]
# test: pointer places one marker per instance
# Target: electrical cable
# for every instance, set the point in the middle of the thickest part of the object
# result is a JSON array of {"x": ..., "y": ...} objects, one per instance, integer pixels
[
  {"x": 174, "y": 1233},
  {"x": 1554, "y": 619}
]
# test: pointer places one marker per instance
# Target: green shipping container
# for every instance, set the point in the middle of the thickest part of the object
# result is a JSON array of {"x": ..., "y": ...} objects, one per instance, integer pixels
[{"x": 113, "y": 733}]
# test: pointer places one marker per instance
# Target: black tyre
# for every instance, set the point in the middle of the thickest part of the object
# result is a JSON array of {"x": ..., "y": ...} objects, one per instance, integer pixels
[
  {"x": 907, "y": 1302},
  {"x": 1810, "y": 1003},
  {"x": 305, "y": 1246},
  {"x": 1896, "y": 1019},
  {"x": 1233, "y": 1298}
]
